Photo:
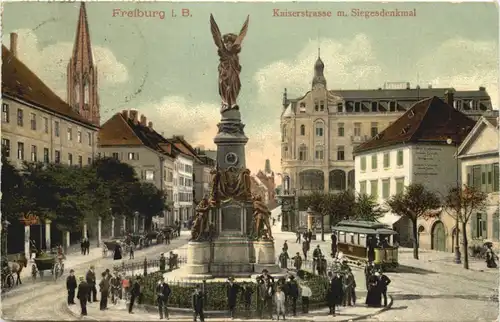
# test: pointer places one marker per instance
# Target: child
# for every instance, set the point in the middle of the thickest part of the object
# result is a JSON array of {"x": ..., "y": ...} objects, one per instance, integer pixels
[{"x": 280, "y": 302}]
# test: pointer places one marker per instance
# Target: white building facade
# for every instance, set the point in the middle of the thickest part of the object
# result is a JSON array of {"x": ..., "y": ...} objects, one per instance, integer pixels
[{"x": 183, "y": 187}]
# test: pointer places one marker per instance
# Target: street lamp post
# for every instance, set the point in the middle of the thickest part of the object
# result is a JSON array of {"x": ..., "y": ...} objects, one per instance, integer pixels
[
  {"x": 5, "y": 226},
  {"x": 458, "y": 255}
]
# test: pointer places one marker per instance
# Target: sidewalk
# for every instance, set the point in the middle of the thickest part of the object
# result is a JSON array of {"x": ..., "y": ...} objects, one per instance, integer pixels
[{"x": 119, "y": 312}]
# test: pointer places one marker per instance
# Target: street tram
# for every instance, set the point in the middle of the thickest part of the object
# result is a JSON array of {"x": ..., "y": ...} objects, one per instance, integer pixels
[{"x": 365, "y": 241}]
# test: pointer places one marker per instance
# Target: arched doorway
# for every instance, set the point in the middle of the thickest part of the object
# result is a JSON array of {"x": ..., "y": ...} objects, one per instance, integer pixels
[
  {"x": 420, "y": 230},
  {"x": 310, "y": 180},
  {"x": 337, "y": 180},
  {"x": 350, "y": 180},
  {"x": 438, "y": 237}
]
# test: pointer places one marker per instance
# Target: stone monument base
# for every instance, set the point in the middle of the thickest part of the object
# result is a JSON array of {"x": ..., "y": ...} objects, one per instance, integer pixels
[
  {"x": 265, "y": 257},
  {"x": 231, "y": 257},
  {"x": 198, "y": 259}
]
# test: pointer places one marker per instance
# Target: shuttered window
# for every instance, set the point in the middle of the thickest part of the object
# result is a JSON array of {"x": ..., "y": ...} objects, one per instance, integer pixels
[
  {"x": 473, "y": 225},
  {"x": 363, "y": 163},
  {"x": 496, "y": 225},
  {"x": 469, "y": 175},
  {"x": 495, "y": 177},
  {"x": 484, "y": 177},
  {"x": 476, "y": 177},
  {"x": 489, "y": 177},
  {"x": 479, "y": 226}
]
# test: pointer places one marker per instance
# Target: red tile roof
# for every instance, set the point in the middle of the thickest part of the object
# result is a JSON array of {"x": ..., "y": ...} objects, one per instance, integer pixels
[
  {"x": 19, "y": 82},
  {"x": 428, "y": 121},
  {"x": 182, "y": 145}
]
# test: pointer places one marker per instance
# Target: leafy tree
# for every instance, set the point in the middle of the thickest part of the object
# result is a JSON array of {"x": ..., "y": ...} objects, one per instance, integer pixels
[
  {"x": 367, "y": 209},
  {"x": 413, "y": 203},
  {"x": 344, "y": 206},
  {"x": 460, "y": 203},
  {"x": 323, "y": 204},
  {"x": 14, "y": 201},
  {"x": 148, "y": 200}
]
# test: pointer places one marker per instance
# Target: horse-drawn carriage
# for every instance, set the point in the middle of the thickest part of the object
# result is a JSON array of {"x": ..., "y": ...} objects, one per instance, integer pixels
[
  {"x": 8, "y": 280},
  {"x": 48, "y": 262}
]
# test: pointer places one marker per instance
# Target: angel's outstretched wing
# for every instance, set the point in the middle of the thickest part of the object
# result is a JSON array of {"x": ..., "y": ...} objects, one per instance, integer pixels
[
  {"x": 216, "y": 32},
  {"x": 243, "y": 32}
]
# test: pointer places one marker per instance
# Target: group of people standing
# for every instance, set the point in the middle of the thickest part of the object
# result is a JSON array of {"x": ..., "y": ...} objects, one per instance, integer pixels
[
  {"x": 85, "y": 246},
  {"x": 376, "y": 285}
]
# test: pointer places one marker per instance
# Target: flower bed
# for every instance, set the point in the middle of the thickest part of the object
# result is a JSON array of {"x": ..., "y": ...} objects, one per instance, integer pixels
[{"x": 216, "y": 298}]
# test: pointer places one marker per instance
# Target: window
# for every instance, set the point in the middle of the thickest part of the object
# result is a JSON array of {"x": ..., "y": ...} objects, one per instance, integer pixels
[
  {"x": 115, "y": 155},
  {"x": 319, "y": 129},
  {"x": 374, "y": 106},
  {"x": 399, "y": 161},
  {"x": 20, "y": 117},
  {"x": 45, "y": 125},
  {"x": 5, "y": 113},
  {"x": 392, "y": 106},
  {"x": 357, "y": 106},
  {"x": 362, "y": 187},
  {"x": 70, "y": 159},
  {"x": 318, "y": 154},
  {"x": 363, "y": 163},
  {"x": 479, "y": 227},
  {"x": 33, "y": 153},
  {"x": 46, "y": 157},
  {"x": 80, "y": 161},
  {"x": 340, "y": 107},
  {"x": 374, "y": 188},
  {"x": 483, "y": 177},
  {"x": 79, "y": 136},
  {"x": 56, "y": 129},
  {"x": 302, "y": 130},
  {"x": 400, "y": 185},
  {"x": 316, "y": 106},
  {"x": 89, "y": 160},
  {"x": 341, "y": 129},
  {"x": 6, "y": 147},
  {"x": 70, "y": 134},
  {"x": 149, "y": 175},
  {"x": 57, "y": 156},
  {"x": 302, "y": 152},
  {"x": 340, "y": 153},
  {"x": 374, "y": 129},
  {"x": 374, "y": 162},
  {"x": 322, "y": 106},
  {"x": 89, "y": 138},
  {"x": 33, "y": 121},
  {"x": 132, "y": 156},
  {"x": 386, "y": 188},
  {"x": 357, "y": 129},
  {"x": 20, "y": 150},
  {"x": 387, "y": 160},
  {"x": 495, "y": 177}
]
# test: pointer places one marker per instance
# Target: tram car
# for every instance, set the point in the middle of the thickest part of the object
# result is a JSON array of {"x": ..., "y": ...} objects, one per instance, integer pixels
[{"x": 365, "y": 241}]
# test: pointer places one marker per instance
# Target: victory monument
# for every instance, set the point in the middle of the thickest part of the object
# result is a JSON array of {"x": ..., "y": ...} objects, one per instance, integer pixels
[{"x": 231, "y": 235}]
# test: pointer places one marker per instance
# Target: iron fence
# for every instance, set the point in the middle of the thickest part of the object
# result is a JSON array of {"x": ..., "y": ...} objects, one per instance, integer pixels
[{"x": 145, "y": 265}]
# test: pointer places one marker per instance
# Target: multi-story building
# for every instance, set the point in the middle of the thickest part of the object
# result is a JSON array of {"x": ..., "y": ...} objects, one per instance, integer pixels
[
  {"x": 131, "y": 140},
  {"x": 418, "y": 147},
  {"x": 320, "y": 129},
  {"x": 202, "y": 177},
  {"x": 266, "y": 177},
  {"x": 478, "y": 156}
]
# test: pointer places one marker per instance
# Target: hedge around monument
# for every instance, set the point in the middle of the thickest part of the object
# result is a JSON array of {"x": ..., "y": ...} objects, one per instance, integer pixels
[{"x": 216, "y": 296}]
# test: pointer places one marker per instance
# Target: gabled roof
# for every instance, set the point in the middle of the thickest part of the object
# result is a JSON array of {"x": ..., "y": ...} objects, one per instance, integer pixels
[
  {"x": 19, "y": 82},
  {"x": 184, "y": 147},
  {"x": 428, "y": 121},
  {"x": 120, "y": 130},
  {"x": 482, "y": 122}
]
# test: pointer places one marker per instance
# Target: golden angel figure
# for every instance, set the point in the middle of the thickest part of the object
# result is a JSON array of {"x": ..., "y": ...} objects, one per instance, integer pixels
[{"x": 229, "y": 46}]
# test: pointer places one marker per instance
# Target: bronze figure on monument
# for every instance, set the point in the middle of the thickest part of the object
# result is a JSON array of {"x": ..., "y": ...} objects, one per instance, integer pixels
[
  {"x": 230, "y": 184},
  {"x": 261, "y": 218},
  {"x": 229, "y": 46},
  {"x": 200, "y": 226}
]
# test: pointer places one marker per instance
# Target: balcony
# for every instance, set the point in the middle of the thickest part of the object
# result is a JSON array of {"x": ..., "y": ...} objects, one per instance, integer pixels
[{"x": 358, "y": 139}]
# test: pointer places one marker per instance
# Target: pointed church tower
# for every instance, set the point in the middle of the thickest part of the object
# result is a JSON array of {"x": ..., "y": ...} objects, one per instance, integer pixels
[
  {"x": 319, "y": 79},
  {"x": 82, "y": 92}
]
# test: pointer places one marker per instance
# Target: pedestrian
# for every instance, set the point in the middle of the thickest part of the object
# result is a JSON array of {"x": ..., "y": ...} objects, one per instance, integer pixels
[
  {"x": 349, "y": 285},
  {"x": 305, "y": 248},
  {"x": 167, "y": 237},
  {"x": 297, "y": 261},
  {"x": 279, "y": 299},
  {"x": 162, "y": 294},
  {"x": 298, "y": 235},
  {"x": 293, "y": 293},
  {"x": 82, "y": 295},
  {"x": 369, "y": 271},
  {"x": 131, "y": 252},
  {"x": 163, "y": 262},
  {"x": 71, "y": 287},
  {"x": 145, "y": 266},
  {"x": 283, "y": 258},
  {"x": 104, "y": 289},
  {"x": 335, "y": 292},
  {"x": 334, "y": 244},
  {"x": 116, "y": 287},
  {"x": 316, "y": 257},
  {"x": 384, "y": 281},
  {"x": 266, "y": 296},
  {"x": 91, "y": 281},
  {"x": 373, "y": 297},
  {"x": 491, "y": 257},
  {"x": 117, "y": 254},
  {"x": 87, "y": 246},
  {"x": 309, "y": 235},
  {"x": 135, "y": 292},
  {"x": 247, "y": 298},
  {"x": 232, "y": 293},
  {"x": 285, "y": 246},
  {"x": 82, "y": 246},
  {"x": 305, "y": 293},
  {"x": 198, "y": 304}
]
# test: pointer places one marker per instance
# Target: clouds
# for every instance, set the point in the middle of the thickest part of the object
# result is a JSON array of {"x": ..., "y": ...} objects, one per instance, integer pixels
[{"x": 50, "y": 62}]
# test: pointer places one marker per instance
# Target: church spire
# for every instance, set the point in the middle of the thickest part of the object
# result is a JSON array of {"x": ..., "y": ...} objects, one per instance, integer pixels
[
  {"x": 319, "y": 68},
  {"x": 82, "y": 92}
]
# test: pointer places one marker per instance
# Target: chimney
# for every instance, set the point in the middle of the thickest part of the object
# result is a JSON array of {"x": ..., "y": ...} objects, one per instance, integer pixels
[
  {"x": 181, "y": 137},
  {"x": 450, "y": 97},
  {"x": 13, "y": 44},
  {"x": 125, "y": 114},
  {"x": 430, "y": 86},
  {"x": 150, "y": 125},
  {"x": 482, "y": 88},
  {"x": 133, "y": 116},
  {"x": 408, "y": 85},
  {"x": 144, "y": 121}
]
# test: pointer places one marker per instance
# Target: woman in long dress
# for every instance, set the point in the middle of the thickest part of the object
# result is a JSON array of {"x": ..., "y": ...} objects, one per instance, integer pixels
[
  {"x": 374, "y": 297},
  {"x": 118, "y": 252}
]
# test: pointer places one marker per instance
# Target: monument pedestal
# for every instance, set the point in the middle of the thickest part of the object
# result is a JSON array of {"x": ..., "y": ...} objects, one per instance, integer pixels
[
  {"x": 265, "y": 257},
  {"x": 231, "y": 257},
  {"x": 198, "y": 260}
]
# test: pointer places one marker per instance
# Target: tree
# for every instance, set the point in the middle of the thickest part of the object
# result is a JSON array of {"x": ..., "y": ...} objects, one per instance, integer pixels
[
  {"x": 461, "y": 203},
  {"x": 367, "y": 209},
  {"x": 344, "y": 206},
  {"x": 323, "y": 204},
  {"x": 14, "y": 201},
  {"x": 148, "y": 200},
  {"x": 413, "y": 203}
]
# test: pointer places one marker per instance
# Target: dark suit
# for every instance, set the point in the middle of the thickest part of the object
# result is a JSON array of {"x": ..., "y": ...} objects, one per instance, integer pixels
[
  {"x": 134, "y": 293},
  {"x": 384, "y": 282},
  {"x": 71, "y": 287},
  {"x": 162, "y": 293},
  {"x": 90, "y": 278},
  {"x": 198, "y": 299},
  {"x": 83, "y": 294},
  {"x": 293, "y": 294},
  {"x": 334, "y": 245},
  {"x": 232, "y": 293}
]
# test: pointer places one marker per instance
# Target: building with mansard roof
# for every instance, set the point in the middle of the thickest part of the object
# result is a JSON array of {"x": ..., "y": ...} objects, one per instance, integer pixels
[{"x": 320, "y": 129}]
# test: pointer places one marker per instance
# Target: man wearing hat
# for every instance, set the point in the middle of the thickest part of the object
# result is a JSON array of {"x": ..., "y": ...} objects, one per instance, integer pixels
[
  {"x": 265, "y": 275},
  {"x": 71, "y": 286},
  {"x": 232, "y": 293},
  {"x": 297, "y": 261},
  {"x": 198, "y": 304},
  {"x": 316, "y": 257},
  {"x": 162, "y": 293},
  {"x": 293, "y": 293},
  {"x": 83, "y": 294},
  {"x": 163, "y": 262},
  {"x": 384, "y": 281},
  {"x": 91, "y": 280}
]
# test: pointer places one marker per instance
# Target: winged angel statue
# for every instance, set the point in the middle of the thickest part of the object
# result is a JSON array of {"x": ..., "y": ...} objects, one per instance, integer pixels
[{"x": 229, "y": 46}]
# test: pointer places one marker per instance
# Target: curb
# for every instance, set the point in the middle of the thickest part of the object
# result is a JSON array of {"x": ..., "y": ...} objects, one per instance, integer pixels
[
  {"x": 68, "y": 310},
  {"x": 367, "y": 316}
]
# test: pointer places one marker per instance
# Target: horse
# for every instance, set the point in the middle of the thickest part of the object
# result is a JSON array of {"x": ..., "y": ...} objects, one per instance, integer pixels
[{"x": 17, "y": 266}]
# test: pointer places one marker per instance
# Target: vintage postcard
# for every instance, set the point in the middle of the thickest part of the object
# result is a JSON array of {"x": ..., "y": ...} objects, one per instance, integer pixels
[{"x": 326, "y": 161}]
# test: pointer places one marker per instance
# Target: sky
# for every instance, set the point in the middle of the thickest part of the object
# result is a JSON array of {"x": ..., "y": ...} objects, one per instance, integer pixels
[{"x": 167, "y": 68}]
